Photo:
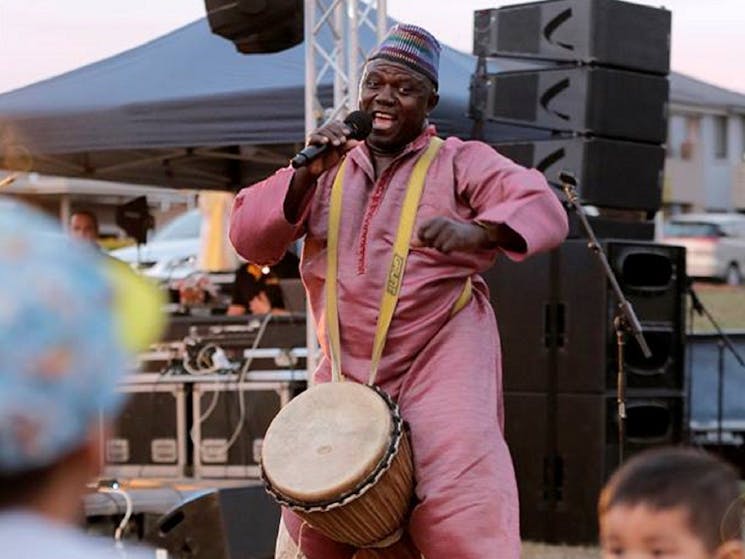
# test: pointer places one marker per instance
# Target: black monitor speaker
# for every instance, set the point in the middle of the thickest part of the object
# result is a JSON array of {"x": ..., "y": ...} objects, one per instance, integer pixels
[
  {"x": 557, "y": 328},
  {"x": 257, "y": 26},
  {"x": 135, "y": 219},
  {"x": 227, "y": 523},
  {"x": 564, "y": 448},
  {"x": 560, "y": 363},
  {"x": 605, "y": 32}
]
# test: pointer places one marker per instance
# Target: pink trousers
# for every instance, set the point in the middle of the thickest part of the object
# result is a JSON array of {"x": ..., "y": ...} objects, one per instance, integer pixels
[{"x": 467, "y": 505}]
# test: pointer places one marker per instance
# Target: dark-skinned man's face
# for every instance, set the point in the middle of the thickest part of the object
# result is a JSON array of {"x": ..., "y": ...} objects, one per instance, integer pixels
[{"x": 399, "y": 100}]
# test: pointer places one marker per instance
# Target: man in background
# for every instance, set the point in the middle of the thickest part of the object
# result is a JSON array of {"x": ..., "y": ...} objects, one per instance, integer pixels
[
  {"x": 84, "y": 226},
  {"x": 66, "y": 328},
  {"x": 257, "y": 290}
]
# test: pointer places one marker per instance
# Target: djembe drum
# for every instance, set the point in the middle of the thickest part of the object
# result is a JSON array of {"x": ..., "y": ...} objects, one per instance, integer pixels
[{"x": 339, "y": 457}]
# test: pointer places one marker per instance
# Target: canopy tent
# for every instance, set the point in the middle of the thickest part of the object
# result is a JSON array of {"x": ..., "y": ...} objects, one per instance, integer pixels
[{"x": 183, "y": 111}]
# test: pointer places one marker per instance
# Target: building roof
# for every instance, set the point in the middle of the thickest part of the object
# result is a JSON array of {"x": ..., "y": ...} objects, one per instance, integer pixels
[{"x": 685, "y": 90}]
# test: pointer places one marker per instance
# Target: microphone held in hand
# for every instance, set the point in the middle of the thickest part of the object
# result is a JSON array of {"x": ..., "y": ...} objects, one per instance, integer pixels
[
  {"x": 567, "y": 177},
  {"x": 360, "y": 126}
]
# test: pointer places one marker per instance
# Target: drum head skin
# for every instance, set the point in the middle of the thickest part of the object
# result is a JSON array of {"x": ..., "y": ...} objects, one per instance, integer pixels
[{"x": 326, "y": 441}]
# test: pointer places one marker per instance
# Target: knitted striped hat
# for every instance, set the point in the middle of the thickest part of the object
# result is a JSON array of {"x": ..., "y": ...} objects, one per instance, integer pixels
[{"x": 411, "y": 46}]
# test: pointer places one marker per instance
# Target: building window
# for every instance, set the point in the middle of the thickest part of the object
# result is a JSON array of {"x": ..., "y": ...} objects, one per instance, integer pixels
[
  {"x": 720, "y": 137},
  {"x": 692, "y": 130}
]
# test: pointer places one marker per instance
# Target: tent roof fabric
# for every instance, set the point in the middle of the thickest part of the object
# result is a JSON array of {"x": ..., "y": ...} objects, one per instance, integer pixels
[
  {"x": 187, "y": 101},
  {"x": 189, "y": 87},
  {"x": 187, "y": 110}
]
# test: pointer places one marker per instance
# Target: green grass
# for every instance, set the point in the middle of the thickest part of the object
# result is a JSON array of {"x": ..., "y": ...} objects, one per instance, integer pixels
[
  {"x": 725, "y": 304},
  {"x": 544, "y": 551}
]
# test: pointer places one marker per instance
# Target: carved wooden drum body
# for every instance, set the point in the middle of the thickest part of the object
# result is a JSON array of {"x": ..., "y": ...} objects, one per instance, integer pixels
[{"x": 338, "y": 455}]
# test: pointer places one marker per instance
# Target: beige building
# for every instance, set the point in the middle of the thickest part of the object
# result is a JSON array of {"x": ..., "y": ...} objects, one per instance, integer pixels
[{"x": 705, "y": 165}]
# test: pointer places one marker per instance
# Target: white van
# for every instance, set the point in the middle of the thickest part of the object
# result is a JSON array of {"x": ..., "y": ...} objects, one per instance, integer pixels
[{"x": 715, "y": 244}]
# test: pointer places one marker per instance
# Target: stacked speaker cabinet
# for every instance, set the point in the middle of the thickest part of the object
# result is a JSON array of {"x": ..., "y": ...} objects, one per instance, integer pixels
[
  {"x": 601, "y": 92},
  {"x": 560, "y": 363}
]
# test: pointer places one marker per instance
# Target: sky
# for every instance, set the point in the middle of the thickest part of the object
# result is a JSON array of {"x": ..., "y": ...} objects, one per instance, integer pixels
[{"x": 43, "y": 38}]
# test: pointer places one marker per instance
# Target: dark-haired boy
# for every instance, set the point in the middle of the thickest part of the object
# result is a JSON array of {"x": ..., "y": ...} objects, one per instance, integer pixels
[{"x": 672, "y": 502}]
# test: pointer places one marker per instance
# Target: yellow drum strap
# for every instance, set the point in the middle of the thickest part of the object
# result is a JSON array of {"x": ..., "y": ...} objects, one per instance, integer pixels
[
  {"x": 395, "y": 272},
  {"x": 463, "y": 298},
  {"x": 332, "y": 265}
]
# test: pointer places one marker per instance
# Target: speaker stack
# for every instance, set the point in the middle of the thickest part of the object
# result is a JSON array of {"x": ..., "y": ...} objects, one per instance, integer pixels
[
  {"x": 560, "y": 364},
  {"x": 596, "y": 84}
]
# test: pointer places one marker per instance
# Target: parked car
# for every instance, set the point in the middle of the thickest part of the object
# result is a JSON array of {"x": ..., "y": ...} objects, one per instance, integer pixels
[
  {"x": 172, "y": 251},
  {"x": 715, "y": 244}
]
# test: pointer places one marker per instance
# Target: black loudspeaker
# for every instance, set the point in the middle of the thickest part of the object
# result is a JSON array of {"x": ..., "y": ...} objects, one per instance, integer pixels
[
  {"x": 610, "y": 228},
  {"x": 135, "y": 219},
  {"x": 230, "y": 523},
  {"x": 560, "y": 362},
  {"x": 605, "y": 32},
  {"x": 597, "y": 101},
  {"x": 257, "y": 26},
  {"x": 565, "y": 446},
  {"x": 610, "y": 173},
  {"x": 557, "y": 328}
]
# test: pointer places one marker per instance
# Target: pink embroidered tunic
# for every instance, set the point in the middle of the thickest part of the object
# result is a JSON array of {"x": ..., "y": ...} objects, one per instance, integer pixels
[{"x": 444, "y": 370}]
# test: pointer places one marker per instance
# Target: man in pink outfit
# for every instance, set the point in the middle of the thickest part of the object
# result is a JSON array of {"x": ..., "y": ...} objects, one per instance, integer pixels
[{"x": 442, "y": 367}]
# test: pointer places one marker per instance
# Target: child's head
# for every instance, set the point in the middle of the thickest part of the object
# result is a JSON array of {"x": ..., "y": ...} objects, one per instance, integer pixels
[{"x": 672, "y": 502}]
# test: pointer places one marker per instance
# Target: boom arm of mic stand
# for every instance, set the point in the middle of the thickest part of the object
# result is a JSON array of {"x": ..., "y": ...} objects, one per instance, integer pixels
[{"x": 630, "y": 320}]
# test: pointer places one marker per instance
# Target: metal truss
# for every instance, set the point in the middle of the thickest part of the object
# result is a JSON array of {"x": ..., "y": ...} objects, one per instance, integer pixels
[{"x": 341, "y": 57}]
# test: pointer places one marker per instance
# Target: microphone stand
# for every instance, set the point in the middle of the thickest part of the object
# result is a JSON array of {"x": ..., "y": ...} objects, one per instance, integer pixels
[
  {"x": 722, "y": 342},
  {"x": 625, "y": 320}
]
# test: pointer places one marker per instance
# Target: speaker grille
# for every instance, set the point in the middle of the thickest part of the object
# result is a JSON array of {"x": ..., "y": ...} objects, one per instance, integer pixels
[
  {"x": 519, "y": 30},
  {"x": 649, "y": 422},
  {"x": 646, "y": 272},
  {"x": 514, "y": 97}
]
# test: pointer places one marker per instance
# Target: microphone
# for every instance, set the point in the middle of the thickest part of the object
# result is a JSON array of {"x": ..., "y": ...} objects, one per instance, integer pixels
[
  {"x": 567, "y": 177},
  {"x": 360, "y": 126}
]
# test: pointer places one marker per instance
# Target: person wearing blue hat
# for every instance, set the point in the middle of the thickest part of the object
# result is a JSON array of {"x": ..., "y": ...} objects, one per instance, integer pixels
[
  {"x": 398, "y": 227},
  {"x": 64, "y": 341}
]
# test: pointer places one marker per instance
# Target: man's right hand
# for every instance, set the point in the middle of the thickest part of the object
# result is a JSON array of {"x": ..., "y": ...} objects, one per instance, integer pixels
[{"x": 335, "y": 134}]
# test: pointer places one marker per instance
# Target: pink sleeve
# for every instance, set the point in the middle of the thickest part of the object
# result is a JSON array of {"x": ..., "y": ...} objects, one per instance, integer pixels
[
  {"x": 502, "y": 192},
  {"x": 259, "y": 230}
]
